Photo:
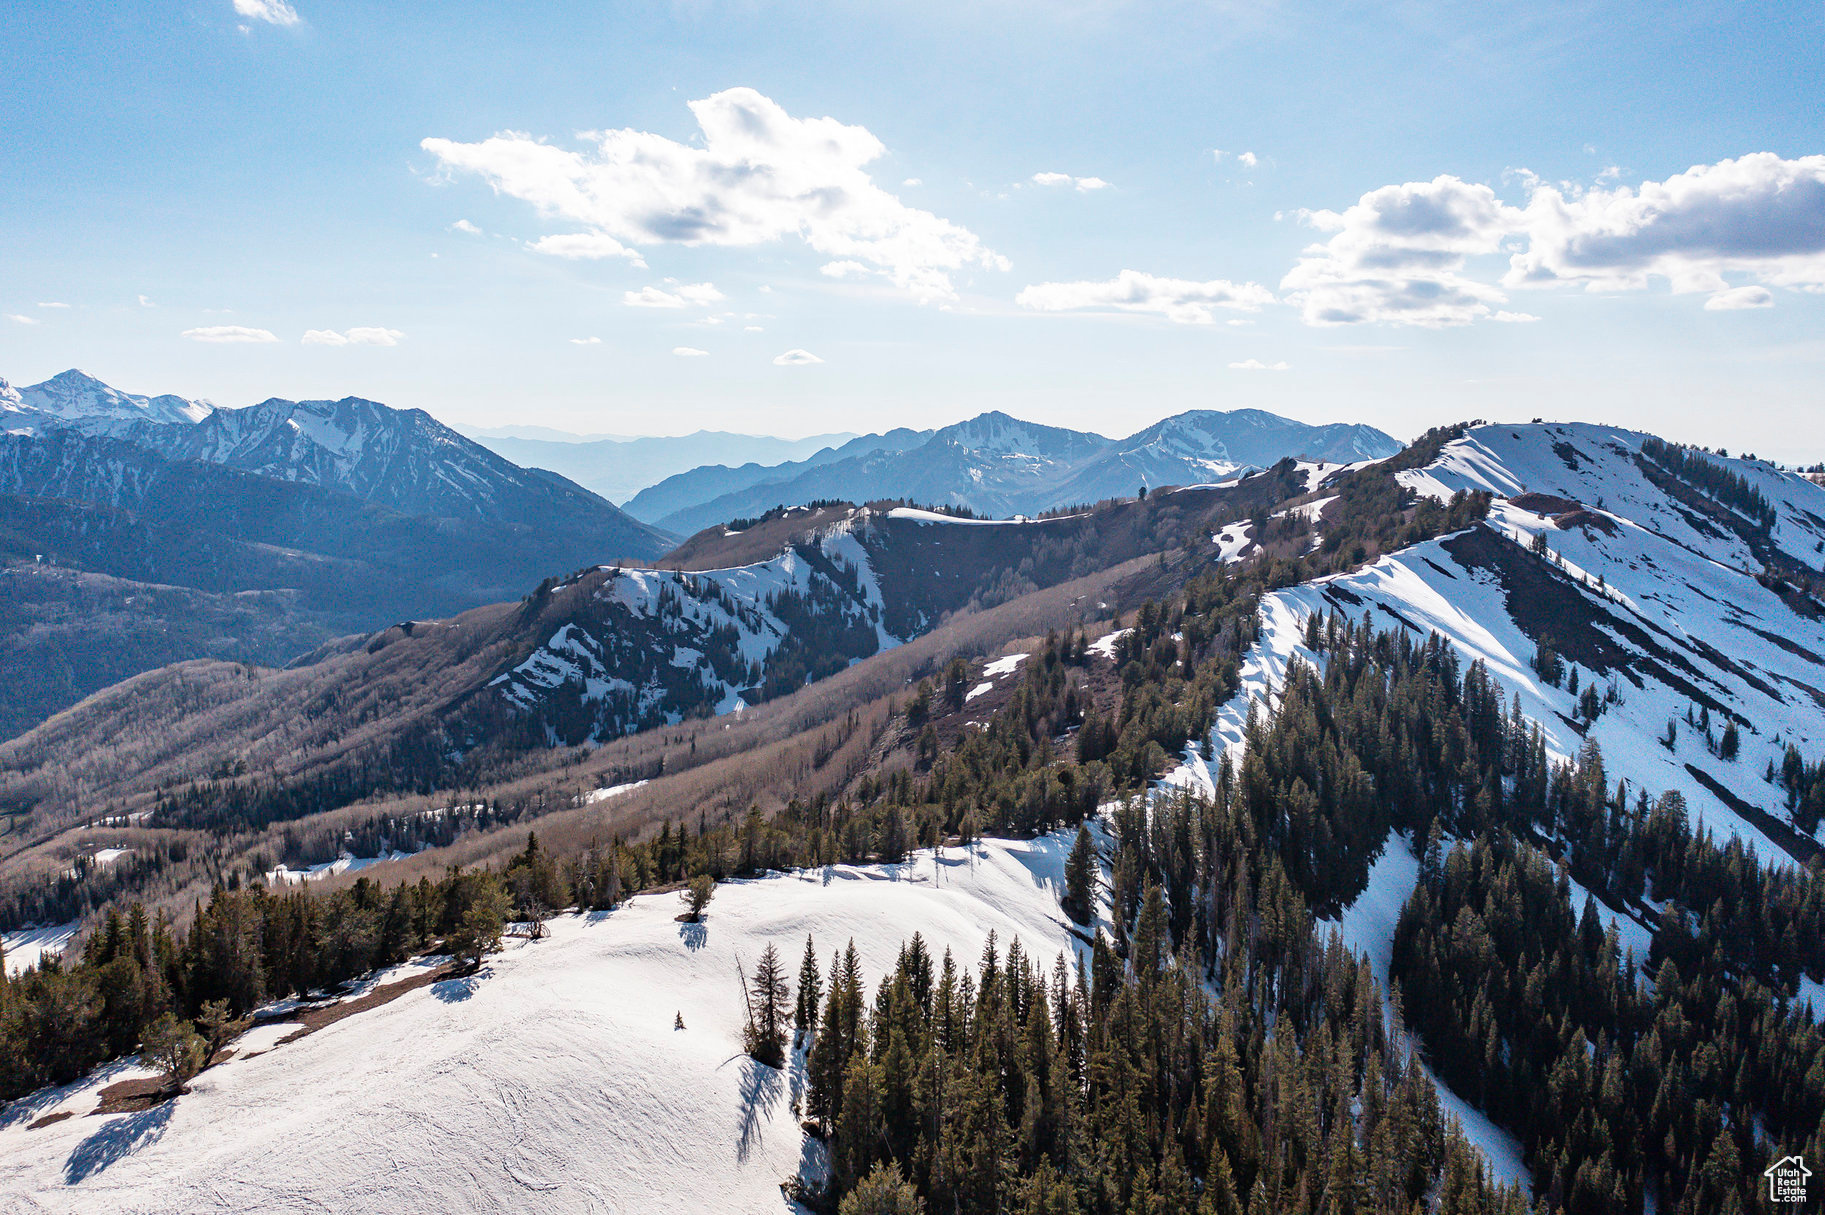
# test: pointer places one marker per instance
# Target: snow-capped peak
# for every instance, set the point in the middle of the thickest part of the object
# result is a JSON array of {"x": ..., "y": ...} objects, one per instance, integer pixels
[{"x": 75, "y": 396}]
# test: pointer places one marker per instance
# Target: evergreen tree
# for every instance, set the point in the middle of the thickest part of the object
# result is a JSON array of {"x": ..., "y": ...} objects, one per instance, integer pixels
[
  {"x": 769, "y": 998},
  {"x": 810, "y": 992},
  {"x": 1079, "y": 901}
]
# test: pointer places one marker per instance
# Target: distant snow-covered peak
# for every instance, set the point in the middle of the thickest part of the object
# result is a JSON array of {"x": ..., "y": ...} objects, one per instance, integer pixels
[
  {"x": 996, "y": 433},
  {"x": 77, "y": 397}
]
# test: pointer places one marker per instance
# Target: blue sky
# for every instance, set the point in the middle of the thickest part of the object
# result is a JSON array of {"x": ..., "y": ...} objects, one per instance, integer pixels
[{"x": 1648, "y": 186}]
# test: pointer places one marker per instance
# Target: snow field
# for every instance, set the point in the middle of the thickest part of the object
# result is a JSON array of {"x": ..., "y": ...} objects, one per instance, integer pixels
[
  {"x": 554, "y": 1081},
  {"x": 23, "y": 947}
]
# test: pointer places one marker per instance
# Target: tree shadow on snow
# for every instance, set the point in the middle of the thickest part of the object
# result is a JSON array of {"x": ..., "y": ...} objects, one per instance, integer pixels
[
  {"x": 29, "y": 1107},
  {"x": 694, "y": 936},
  {"x": 761, "y": 1090},
  {"x": 455, "y": 991},
  {"x": 114, "y": 1140}
]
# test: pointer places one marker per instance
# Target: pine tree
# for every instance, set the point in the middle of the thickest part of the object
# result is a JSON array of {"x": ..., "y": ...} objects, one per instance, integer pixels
[
  {"x": 1079, "y": 901},
  {"x": 172, "y": 1048},
  {"x": 883, "y": 1192},
  {"x": 769, "y": 997},
  {"x": 810, "y": 992}
]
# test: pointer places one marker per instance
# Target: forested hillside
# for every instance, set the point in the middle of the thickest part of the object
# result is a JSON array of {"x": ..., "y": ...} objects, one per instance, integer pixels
[{"x": 1335, "y": 862}]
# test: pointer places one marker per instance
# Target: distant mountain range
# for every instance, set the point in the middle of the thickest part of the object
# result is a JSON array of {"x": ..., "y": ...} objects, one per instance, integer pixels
[
  {"x": 75, "y": 398},
  {"x": 618, "y": 467},
  {"x": 1001, "y": 466},
  {"x": 325, "y": 517}
]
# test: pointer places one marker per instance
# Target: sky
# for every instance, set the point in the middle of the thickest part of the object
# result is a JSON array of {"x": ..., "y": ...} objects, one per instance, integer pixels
[{"x": 822, "y": 216}]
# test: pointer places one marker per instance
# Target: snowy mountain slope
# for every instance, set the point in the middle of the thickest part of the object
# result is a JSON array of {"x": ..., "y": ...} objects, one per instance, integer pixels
[
  {"x": 999, "y": 465},
  {"x": 75, "y": 398},
  {"x": 355, "y": 513},
  {"x": 552, "y": 1082},
  {"x": 403, "y": 459},
  {"x": 649, "y": 647},
  {"x": 1204, "y": 445},
  {"x": 1653, "y": 594}
]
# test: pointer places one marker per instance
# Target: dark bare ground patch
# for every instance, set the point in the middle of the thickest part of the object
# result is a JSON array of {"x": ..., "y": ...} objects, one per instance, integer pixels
[
  {"x": 132, "y": 1096},
  {"x": 1549, "y": 607},
  {"x": 314, "y": 1019},
  {"x": 1545, "y": 504},
  {"x": 1802, "y": 848},
  {"x": 1586, "y": 518},
  {"x": 48, "y": 1119}
]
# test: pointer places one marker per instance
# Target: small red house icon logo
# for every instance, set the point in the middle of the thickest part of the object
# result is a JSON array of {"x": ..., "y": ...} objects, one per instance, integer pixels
[{"x": 1787, "y": 1179}]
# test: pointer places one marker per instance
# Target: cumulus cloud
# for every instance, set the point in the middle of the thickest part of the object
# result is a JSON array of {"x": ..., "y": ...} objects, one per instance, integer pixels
[
  {"x": 759, "y": 176},
  {"x": 1246, "y": 159},
  {"x": 690, "y": 352},
  {"x": 795, "y": 358},
  {"x": 229, "y": 333},
  {"x": 463, "y": 225},
  {"x": 1256, "y": 365},
  {"x": 273, "y": 12},
  {"x": 1402, "y": 254},
  {"x": 1065, "y": 179},
  {"x": 1399, "y": 255},
  {"x": 844, "y": 269},
  {"x": 1180, "y": 300},
  {"x": 1737, "y": 298},
  {"x": 588, "y": 341},
  {"x": 51, "y": 304},
  {"x": 358, "y": 336},
  {"x": 1757, "y": 216},
  {"x": 146, "y": 303},
  {"x": 584, "y": 246},
  {"x": 681, "y": 295},
  {"x": 21, "y": 319}
]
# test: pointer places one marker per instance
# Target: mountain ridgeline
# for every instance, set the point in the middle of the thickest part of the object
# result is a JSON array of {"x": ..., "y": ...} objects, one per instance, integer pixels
[
  {"x": 1485, "y": 777},
  {"x": 289, "y": 524},
  {"x": 1000, "y": 466}
]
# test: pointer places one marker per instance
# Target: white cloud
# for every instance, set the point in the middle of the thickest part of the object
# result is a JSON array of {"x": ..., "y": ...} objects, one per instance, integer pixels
[
  {"x": 795, "y": 358},
  {"x": 1065, "y": 179},
  {"x": 229, "y": 333},
  {"x": 1256, "y": 365},
  {"x": 912, "y": 181},
  {"x": 689, "y": 352},
  {"x": 20, "y": 318},
  {"x": 1759, "y": 216},
  {"x": 51, "y": 304},
  {"x": 274, "y": 12},
  {"x": 760, "y": 176},
  {"x": 588, "y": 341},
  {"x": 752, "y": 329},
  {"x": 463, "y": 225},
  {"x": 1402, "y": 253},
  {"x": 1734, "y": 299},
  {"x": 682, "y": 295},
  {"x": 1399, "y": 255},
  {"x": 1514, "y": 318},
  {"x": 1177, "y": 299},
  {"x": 844, "y": 269},
  {"x": 358, "y": 336},
  {"x": 584, "y": 246},
  {"x": 146, "y": 303},
  {"x": 1248, "y": 158}
]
